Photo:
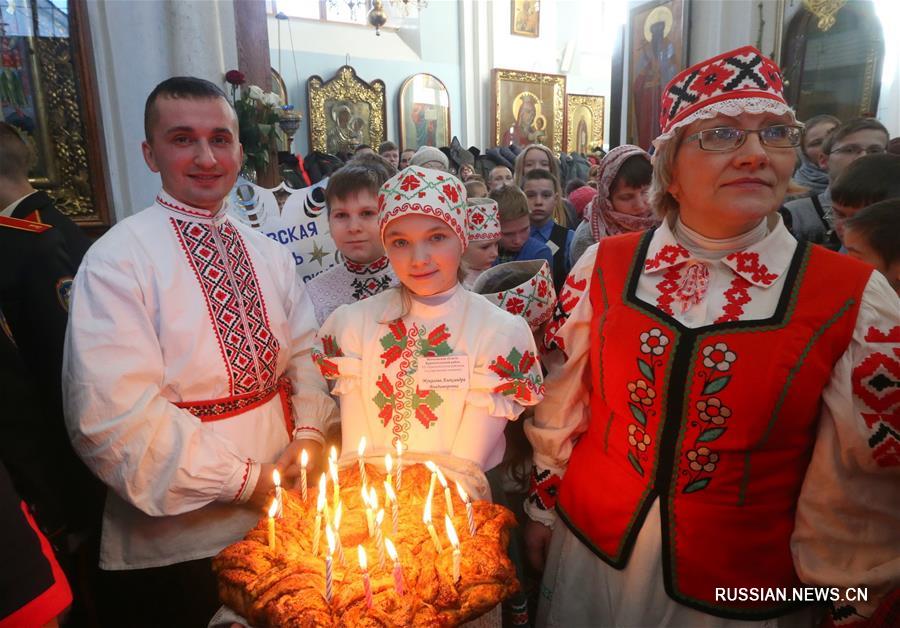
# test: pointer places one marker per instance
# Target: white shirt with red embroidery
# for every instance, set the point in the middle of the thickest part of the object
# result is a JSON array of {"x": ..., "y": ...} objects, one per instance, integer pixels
[
  {"x": 849, "y": 510},
  {"x": 443, "y": 379},
  {"x": 171, "y": 306},
  {"x": 347, "y": 283}
]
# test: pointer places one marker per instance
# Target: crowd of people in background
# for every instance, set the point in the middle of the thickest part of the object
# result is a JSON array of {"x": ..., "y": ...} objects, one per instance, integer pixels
[{"x": 647, "y": 243}]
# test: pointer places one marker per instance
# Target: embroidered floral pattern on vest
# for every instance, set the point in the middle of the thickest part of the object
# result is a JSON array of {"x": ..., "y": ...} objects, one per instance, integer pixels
[
  {"x": 572, "y": 292},
  {"x": 544, "y": 489},
  {"x": 330, "y": 349},
  {"x": 876, "y": 383},
  {"x": 236, "y": 307},
  {"x": 399, "y": 398},
  {"x": 522, "y": 378},
  {"x": 710, "y": 420},
  {"x": 643, "y": 400}
]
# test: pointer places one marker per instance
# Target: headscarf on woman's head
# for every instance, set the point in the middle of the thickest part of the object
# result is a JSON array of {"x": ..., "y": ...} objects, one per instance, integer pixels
[
  {"x": 732, "y": 83},
  {"x": 600, "y": 214}
]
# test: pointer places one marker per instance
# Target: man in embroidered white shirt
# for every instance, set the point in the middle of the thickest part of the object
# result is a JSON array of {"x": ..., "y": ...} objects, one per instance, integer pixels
[{"x": 184, "y": 377}]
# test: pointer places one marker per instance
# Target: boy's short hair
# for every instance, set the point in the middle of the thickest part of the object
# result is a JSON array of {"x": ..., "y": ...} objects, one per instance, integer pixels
[
  {"x": 16, "y": 156},
  {"x": 635, "y": 172},
  {"x": 178, "y": 87},
  {"x": 386, "y": 146},
  {"x": 850, "y": 127},
  {"x": 879, "y": 225},
  {"x": 869, "y": 179},
  {"x": 539, "y": 174},
  {"x": 354, "y": 177},
  {"x": 511, "y": 202},
  {"x": 476, "y": 188}
]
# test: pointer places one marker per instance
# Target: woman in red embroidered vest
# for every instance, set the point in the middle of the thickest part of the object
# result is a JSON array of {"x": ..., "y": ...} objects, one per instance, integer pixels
[
  {"x": 430, "y": 365},
  {"x": 693, "y": 366}
]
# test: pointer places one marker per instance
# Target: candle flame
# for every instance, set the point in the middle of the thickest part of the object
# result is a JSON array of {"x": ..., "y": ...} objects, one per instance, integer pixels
[
  {"x": 276, "y": 478},
  {"x": 391, "y": 550},
  {"x": 273, "y": 509},
  {"x": 320, "y": 501},
  {"x": 329, "y": 534},
  {"x": 304, "y": 458},
  {"x": 362, "y": 446},
  {"x": 399, "y": 449},
  {"x": 332, "y": 468},
  {"x": 337, "y": 515},
  {"x": 426, "y": 514},
  {"x": 441, "y": 477},
  {"x": 373, "y": 498},
  {"x": 389, "y": 492},
  {"x": 388, "y": 463},
  {"x": 451, "y": 532},
  {"x": 363, "y": 562},
  {"x": 462, "y": 493},
  {"x": 333, "y": 454},
  {"x": 379, "y": 517}
]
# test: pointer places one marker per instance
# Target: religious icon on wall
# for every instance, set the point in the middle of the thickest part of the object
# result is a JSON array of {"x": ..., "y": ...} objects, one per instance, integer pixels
[
  {"x": 585, "y": 122},
  {"x": 424, "y": 112},
  {"x": 528, "y": 109},
  {"x": 526, "y": 18},
  {"x": 345, "y": 112},
  {"x": 658, "y": 51}
]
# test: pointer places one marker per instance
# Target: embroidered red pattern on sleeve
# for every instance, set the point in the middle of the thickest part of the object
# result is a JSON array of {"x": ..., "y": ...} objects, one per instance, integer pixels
[
  {"x": 572, "y": 292},
  {"x": 544, "y": 489},
  {"x": 521, "y": 376},
  {"x": 876, "y": 383}
]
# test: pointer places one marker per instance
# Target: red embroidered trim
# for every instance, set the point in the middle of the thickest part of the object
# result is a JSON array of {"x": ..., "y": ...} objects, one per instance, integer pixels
[
  {"x": 749, "y": 263},
  {"x": 455, "y": 222},
  {"x": 667, "y": 288},
  {"x": 367, "y": 269},
  {"x": 873, "y": 334},
  {"x": 183, "y": 210},
  {"x": 737, "y": 297},
  {"x": 544, "y": 489},
  {"x": 668, "y": 254},
  {"x": 217, "y": 409},
  {"x": 305, "y": 428},
  {"x": 234, "y": 300},
  {"x": 572, "y": 292},
  {"x": 244, "y": 481}
]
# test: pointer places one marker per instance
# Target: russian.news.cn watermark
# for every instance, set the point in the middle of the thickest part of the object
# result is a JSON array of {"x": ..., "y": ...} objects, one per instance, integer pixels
[{"x": 792, "y": 594}]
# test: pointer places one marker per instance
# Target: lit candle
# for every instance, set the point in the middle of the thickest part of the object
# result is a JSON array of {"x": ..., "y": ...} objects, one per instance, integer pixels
[
  {"x": 332, "y": 467},
  {"x": 399, "y": 464},
  {"x": 426, "y": 519},
  {"x": 390, "y": 496},
  {"x": 447, "y": 499},
  {"x": 337, "y": 532},
  {"x": 272, "y": 510},
  {"x": 433, "y": 468},
  {"x": 330, "y": 536},
  {"x": 304, "y": 460},
  {"x": 470, "y": 511},
  {"x": 276, "y": 480},
  {"x": 361, "y": 552},
  {"x": 379, "y": 538},
  {"x": 398, "y": 572},
  {"x": 388, "y": 465},
  {"x": 360, "y": 453},
  {"x": 454, "y": 541},
  {"x": 370, "y": 516},
  {"x": 320, "y": 505}
]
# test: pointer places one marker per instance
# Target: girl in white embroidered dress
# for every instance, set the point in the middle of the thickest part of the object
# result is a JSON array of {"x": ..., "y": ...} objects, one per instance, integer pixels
[{"x": 429, "y": 365}]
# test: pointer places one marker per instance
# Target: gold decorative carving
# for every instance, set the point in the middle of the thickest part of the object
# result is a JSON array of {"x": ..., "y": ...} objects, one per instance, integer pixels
[
  {"x": 511, "y": 87},
  {"x": 825, "y": 10},
  {"x": 585, "y": 122},
  {"x": 345, "y": 112},
  {"x": 61, "y": 113}
]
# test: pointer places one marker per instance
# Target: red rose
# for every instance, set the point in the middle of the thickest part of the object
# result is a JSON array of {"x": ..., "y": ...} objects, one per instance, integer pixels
[{"x": 235, "y": 77}]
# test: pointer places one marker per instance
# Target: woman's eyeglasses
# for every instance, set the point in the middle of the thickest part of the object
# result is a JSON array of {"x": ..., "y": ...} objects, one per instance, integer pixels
[{"x": 725, "y": 138}]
